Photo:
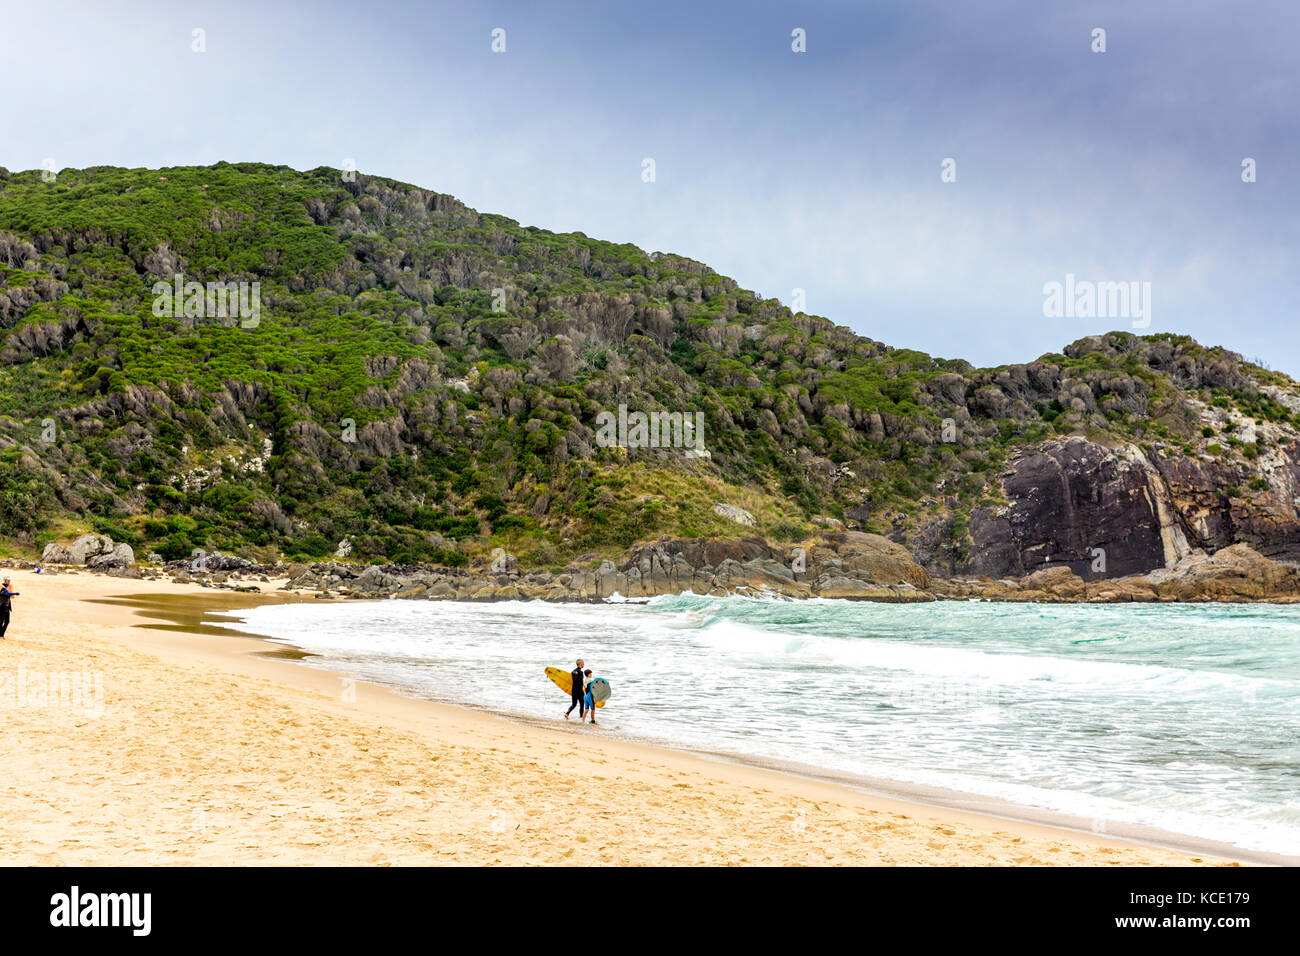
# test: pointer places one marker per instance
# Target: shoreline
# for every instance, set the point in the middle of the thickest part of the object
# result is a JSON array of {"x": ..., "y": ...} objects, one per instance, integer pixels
[
  {"x": 479, "y": 771},
  {"x": 906, "y": 792}
]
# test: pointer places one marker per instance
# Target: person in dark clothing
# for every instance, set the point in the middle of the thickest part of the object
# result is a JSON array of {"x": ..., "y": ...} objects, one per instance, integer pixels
[
  {"x": 576, "y": 693},
  {"x": 6, "y": 601}
]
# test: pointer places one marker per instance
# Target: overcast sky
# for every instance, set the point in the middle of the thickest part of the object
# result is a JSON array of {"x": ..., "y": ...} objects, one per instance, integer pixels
[{"x": 818, "y": 170}]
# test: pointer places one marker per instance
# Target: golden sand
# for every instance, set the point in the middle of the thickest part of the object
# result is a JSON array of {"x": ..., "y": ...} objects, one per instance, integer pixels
[{"x": 202, "y": 750}]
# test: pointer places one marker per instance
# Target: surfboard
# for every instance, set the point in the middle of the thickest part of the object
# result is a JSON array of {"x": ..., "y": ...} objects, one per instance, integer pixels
[
  {"x": 600, "y": 691},
  {"x": 564, "y": 680}
]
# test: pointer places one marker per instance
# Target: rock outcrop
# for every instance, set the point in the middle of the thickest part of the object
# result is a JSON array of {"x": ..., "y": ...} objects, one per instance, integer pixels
[
  {"x": 1100, "y": 512},
  {"x": 92, "y": 550},
  {"x": 219, "y": 561},
  {"x": 1235, "y": 574},
  {"x": 1114, "y": 512},
  {"x": 847, "y": 565}
]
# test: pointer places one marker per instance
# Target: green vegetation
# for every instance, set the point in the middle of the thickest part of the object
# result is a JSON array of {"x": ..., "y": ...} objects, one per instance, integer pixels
[{"x": 424, "y": 382}]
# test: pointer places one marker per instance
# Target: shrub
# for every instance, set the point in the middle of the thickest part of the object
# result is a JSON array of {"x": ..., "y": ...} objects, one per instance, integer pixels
[{"x": 789, "y": 531}]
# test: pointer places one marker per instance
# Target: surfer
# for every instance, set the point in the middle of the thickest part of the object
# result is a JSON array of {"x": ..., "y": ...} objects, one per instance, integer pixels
[
  {"x": 586, "y": 697},
  {"x": 576, "y": 693}
]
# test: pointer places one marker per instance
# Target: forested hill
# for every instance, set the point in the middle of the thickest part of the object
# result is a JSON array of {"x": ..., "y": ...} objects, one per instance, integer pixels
[{"x": 423, "y": 383}]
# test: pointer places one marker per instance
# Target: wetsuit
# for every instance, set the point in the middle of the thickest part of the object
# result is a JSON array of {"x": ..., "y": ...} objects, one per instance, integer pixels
[
  {"x": 5, "y": 604},
  {"x": 575, "y": 691}
]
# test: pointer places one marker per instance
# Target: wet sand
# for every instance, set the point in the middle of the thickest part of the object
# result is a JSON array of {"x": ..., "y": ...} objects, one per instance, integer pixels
[{"x": 204, "y": 746}]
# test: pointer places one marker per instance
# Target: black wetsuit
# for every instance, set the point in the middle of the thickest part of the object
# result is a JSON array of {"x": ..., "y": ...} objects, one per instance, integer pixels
[
  {"x": 5, "y": 602},
  {"x": 575, "y": 689}
]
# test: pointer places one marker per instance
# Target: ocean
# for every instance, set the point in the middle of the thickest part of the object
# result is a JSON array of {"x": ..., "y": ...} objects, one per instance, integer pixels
[{"x": 1180, "y": 717}]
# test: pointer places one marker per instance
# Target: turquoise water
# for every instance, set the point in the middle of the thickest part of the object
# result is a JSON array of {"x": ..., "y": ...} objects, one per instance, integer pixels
[{"x": 1185, "y": 718}]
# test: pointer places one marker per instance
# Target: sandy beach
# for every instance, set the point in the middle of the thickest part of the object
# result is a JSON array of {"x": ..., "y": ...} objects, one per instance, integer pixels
[{"x": 184, "y": 745}]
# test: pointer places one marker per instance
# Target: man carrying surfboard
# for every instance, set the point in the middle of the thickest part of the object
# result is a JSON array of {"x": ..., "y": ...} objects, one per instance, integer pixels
[{"x": 577, "y": 691}]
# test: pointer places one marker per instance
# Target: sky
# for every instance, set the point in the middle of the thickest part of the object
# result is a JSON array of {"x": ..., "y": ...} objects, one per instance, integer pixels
[{"x": 815, "y": 177}]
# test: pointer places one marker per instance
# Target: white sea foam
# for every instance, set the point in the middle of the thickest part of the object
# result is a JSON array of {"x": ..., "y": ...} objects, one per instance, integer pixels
[{"x": 1185, "y": 718}]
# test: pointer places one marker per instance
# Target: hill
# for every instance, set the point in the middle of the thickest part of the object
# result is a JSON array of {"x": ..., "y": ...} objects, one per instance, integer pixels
[{"x": 387, "y": 374}]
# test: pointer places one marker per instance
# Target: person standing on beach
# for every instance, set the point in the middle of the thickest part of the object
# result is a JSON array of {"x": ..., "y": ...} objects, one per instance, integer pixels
[
  {"x": 576, "y": 689},
  {"x": 587, "y": 700},
  {"x": 7, "y": 594}
]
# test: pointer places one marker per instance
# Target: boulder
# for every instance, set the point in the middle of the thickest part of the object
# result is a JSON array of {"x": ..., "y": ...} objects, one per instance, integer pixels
[
  {"x": 869, "y": 558},
  {"x": 121, "y": 556},
  {"x": 837, "y": 586},
  {"x": 732, "y": 513},
  {"x": 217, "y": 561},
  {"x": 1060, "y": 582},
  {"x": 1235, "y": 573},
  {"x": 374, "y": 579},
  {"x": 93, "y": 550}
]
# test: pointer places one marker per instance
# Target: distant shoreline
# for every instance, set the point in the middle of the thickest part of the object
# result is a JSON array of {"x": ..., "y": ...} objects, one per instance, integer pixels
[
  {"x": 850, "y": 565},
  {"x": 472, "y": 588}
]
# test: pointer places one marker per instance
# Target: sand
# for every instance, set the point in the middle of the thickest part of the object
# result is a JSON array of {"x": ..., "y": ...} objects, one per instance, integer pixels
[{"x": 203, "y": 750}]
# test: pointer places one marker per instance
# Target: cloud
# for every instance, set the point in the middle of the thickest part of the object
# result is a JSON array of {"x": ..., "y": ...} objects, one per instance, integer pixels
[{"x": 818, "y": 170}]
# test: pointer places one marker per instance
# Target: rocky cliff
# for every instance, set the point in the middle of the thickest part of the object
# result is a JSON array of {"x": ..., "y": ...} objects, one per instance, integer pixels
[
  {"x": 1111, "y": 511},
  {"x": 425, "y": 385}
]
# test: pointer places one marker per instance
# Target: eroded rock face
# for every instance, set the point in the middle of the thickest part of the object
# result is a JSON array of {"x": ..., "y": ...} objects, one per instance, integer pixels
[
  {"x": 1215, "y": 516},
  {"x": 1077, "y": 505},
  {"x": 1116, "y": 512},
  {"x": 859, "y": 515}
]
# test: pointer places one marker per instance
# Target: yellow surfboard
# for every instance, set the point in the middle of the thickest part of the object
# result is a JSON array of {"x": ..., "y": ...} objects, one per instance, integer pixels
[{"x": 564, "y": 680}]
